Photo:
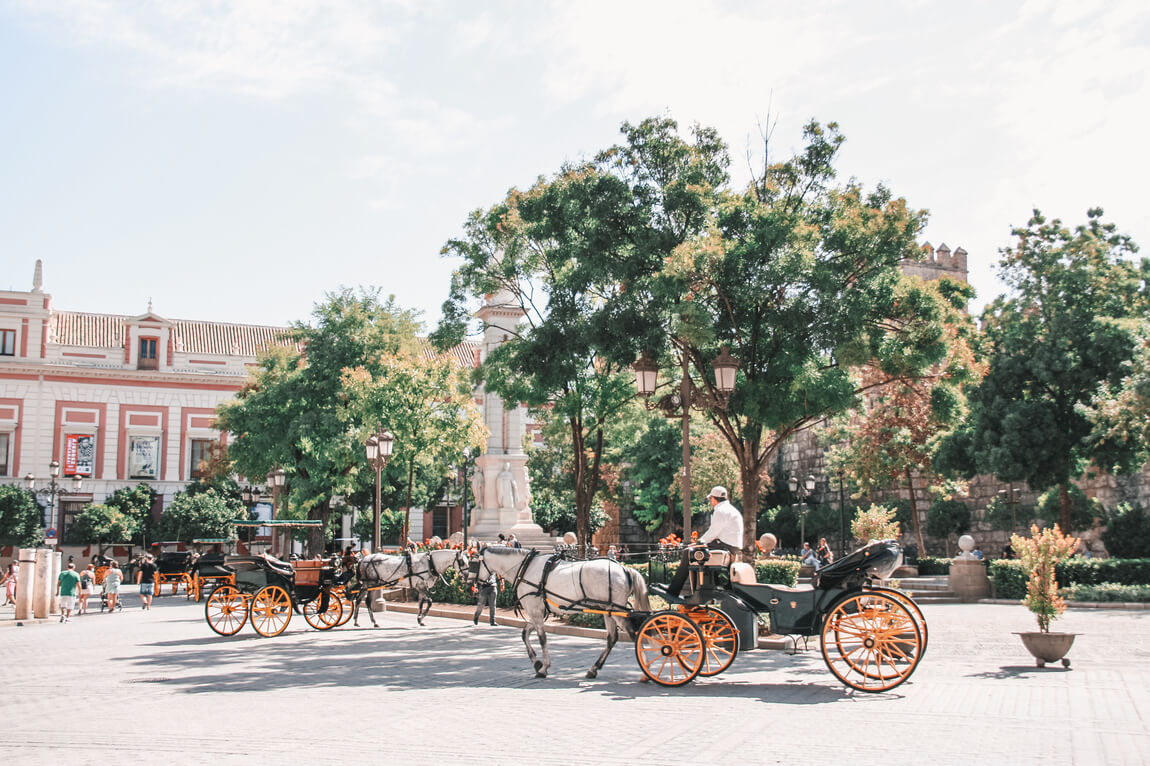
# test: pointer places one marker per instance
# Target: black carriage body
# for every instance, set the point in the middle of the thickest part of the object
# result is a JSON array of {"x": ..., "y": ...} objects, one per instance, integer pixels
[
  {"x": 255, "y": 572},
  {"x": 211, "y": 565},
  {"x": 170, "y": 563}
]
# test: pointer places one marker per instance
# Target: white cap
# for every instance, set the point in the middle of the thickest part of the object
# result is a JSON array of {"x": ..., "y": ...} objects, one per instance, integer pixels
[{"x": 719, "y": 492}]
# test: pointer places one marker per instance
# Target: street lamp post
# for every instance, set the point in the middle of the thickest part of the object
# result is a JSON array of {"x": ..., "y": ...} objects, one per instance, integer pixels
[
  {"x": 803, "y": 491},
  {"x": 378, "y": 448},
  {"x": 679, "y": 405},
  {"x": 842, "y": 504},
  {"x": 53, "y": 491},
  {"x": 276, "y": 480},
  {"x": 468, "y": 464},
  {"x": 251, "y": 496}
]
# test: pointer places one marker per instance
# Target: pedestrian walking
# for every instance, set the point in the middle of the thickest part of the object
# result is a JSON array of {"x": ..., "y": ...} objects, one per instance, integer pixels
[
  {"x": 67, "y": 584},
  {"x": 485, "y": 596},
  {"x": 146, "y": 578},
  {"x": 11, "y": 579},
  {"x": 112, "y": 582},
  {"x": 87, "y": 582}
]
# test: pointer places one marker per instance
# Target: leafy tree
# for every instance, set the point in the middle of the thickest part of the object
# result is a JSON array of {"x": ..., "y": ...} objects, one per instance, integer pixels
[
  {"x": 20, "y": 517},
  {"x": 947, "y": 517},
  {"x": 552, "y": 488},
  {"x": 651, "y": 467},
  {"x": 1067, "y": 326},
  {"x": 1120, "y": 415},
  {"x": 104, "y": 524},
  {"x": 895, "y": 435},
  {"x": 1001, "y": 516},
  {"x": 310, "y": 408},
  {"x": 198, "y": 515},
  {"x": 136, "y": 503},
  {"x": 1085, "y": 512},
  {"x": 1127, "y": 533},
  {"x": 566, "y": 253},
  {"x": 875, "y": 523}
]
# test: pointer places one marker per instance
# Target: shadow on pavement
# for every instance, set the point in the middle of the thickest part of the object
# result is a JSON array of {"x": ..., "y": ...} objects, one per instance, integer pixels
[{"x": 1019, "y": 671}]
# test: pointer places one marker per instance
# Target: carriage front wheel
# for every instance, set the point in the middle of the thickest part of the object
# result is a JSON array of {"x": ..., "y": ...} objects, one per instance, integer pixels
[
  {"x": 327, "y": 619},
  {"x": 871, "y": 642},
  {"x": 226, "y": 611},
  {"x": 719, "y": 634},
  {"x": 271, "y": 610},
  {"x": 670, "y": 648}
]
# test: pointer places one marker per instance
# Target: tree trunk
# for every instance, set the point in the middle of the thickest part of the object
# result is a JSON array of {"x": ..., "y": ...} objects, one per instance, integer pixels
[
  {"x": 752, "y": 487},
  {"x": 916, "y": 522},
  {"x": 1065, "y": 506},
  {"x": 315, "y": 537},
  {"x": 582, "y": 501}
]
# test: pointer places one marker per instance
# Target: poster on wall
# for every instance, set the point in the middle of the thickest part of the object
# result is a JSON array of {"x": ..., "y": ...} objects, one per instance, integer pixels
[
  {"x": 79, "y": 454},
  {"x": 143, "y": 457}
]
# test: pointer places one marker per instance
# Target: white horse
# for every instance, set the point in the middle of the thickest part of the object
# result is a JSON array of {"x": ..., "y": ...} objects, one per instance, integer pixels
[
  {"x": 420, "y": 571},
  {"x": 565, "y": 586}
]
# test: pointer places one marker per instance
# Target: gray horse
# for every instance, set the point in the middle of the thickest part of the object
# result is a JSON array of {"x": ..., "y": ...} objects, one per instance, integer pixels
[
  {"x": 380, "y": 570},
  {"x": 568, "y": 586}
]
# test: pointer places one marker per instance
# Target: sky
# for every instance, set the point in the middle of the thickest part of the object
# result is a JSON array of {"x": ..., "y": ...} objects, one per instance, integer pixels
[{"x": 235, "y": 161}]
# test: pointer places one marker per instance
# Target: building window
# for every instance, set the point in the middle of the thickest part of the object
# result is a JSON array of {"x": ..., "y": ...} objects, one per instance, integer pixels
[
  {"x": 143, "y": 457},
  {"x": 201, "y": 451},
  {"x": 439, "y": 523},
  {"x": 5, "y": 440},
  {"x": 7, "y": 343},
  {"x": 69, "y": 510},
  {"x": 147, "y": 360}
]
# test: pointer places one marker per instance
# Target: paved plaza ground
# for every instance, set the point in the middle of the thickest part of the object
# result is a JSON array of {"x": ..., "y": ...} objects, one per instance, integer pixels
[{"x": 160, "y": 687}]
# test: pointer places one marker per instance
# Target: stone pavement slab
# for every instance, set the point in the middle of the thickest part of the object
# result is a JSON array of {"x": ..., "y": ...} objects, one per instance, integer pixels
[{"x": 160, "y": 684}]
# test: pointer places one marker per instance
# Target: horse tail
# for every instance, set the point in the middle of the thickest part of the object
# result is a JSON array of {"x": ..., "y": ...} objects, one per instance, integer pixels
[{"x": 638, "y": 589}]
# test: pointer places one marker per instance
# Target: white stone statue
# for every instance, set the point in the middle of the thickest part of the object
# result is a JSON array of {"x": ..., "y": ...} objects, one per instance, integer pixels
[
  {"x": 477, "y": 487},
  {"x": 506, "y": 493}
]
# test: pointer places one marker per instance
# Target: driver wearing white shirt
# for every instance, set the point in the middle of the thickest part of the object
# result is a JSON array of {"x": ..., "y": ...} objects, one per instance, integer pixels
[{"x": 725, "y": 534}]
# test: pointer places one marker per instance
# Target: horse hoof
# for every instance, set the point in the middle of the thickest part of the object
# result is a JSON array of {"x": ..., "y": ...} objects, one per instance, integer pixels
[
  {"x": 592, "y": 673},
  {"x": 539, "y": 667},
  {"x": 540, "y": 674}
]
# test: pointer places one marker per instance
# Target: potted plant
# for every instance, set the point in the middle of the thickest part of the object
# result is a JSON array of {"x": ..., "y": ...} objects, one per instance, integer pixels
[{"x": 1040, "y": 553}]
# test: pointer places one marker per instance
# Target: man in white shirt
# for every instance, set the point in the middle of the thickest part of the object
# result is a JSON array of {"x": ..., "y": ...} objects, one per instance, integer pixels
[{"x": 724, "y": 534}]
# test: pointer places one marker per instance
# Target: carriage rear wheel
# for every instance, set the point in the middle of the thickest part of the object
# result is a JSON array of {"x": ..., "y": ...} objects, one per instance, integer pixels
[
  {"x": 271, "y": 610},
  {"x": 915, "y": 612},
  {"x": 101, "y": 573},
  {"x": 345, "y": 603},
  {"x": 719, "y": 633},
  {"x": 226, "y": 610},
  {"x": 323, "y": 620},
  {"x": 870, "y": 641},
  {"x": 670, "y": 649}
]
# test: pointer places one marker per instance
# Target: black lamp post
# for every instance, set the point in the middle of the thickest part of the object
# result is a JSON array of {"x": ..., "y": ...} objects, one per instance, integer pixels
[
  {"x": 803, "y": 491},
  {"x": 53, "y": 491},
  {"x": 276, "y": 480},
  {"x": 378, "y": 448},
  {"x": 466, "y": 468},
  {"x": 679, "y": 405},
  {"x": 842, "y": 504}
]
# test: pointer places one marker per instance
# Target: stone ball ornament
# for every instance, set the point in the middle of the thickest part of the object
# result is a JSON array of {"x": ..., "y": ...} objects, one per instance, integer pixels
[
  {"x": 570, "y": 538},
  {"x": 767, "y": 542}
]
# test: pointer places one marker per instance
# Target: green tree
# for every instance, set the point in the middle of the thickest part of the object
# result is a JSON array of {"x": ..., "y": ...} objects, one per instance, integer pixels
[
  {"x": 947, "y": 517},
  {"x": 104, "y": 524},
  {"x": 309, "y": 409},
  {"x": 1127, "y": 532},
  {"x": 552, "y": 488},
  {"x": 136, "y": 503},
  {"x": 20, "y": 517},
  {"x": 200, "y": 515},
  {"x": 875, "y": 523},
  {"x": 1067, "y": 326},
  {"x": 1120, "y": 414}
]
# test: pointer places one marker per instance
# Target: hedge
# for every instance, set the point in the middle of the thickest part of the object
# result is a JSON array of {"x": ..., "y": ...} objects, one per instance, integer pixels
[
  {"x": 1107, "y": 592},
  {"x": 934, "y": 565},
  {"x": 1009, "y": 579}
]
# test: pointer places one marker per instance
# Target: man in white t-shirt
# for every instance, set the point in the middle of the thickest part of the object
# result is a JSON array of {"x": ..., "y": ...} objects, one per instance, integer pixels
[{"x": 724, "y": 534}]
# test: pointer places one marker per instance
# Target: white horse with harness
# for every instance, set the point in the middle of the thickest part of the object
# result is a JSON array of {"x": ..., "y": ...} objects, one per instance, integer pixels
[
  {"x": 415, "y": 570},
  {"x": 546, "y": 584}
]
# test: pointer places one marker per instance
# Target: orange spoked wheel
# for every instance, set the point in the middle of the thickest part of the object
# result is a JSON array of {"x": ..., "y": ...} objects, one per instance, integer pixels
[
  {"x": 870, "y": 641},
  {"x": 915, "y": 612},
  {"x": 271, "y": 610},
  {"x": 101, "y": 573},
  {"x": 719, "y": 634},
  {"x": 323, "y": 620},
  {"x": 226, "y": 611},
  {"x": 345, "y": 603},
  {"x": 670, "y": 648}
]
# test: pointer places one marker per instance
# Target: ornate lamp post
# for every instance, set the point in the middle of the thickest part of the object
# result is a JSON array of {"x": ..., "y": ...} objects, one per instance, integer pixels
[
  {"x": 679, "y": 405},
  {"x": 276, "y": 480},
  {"x": 53, "y": 491},
  {"x": 803, "y": 491},
  {"x": 465, "y": 469},
  {"x": 842, "y": 504},
  {"x": 378, "y": 448},
  {"x": 251, "y": 496}
]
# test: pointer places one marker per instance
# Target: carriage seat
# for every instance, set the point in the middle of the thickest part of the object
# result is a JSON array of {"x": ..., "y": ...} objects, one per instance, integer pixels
[
  {"x": 718, "y": 559},
  {"x": 744, "y": 573},
  {"x": 282, "y": 567}
]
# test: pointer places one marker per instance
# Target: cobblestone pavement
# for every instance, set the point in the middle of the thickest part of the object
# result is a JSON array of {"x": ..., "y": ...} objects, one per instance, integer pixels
[{"x": 160, "y": 685}]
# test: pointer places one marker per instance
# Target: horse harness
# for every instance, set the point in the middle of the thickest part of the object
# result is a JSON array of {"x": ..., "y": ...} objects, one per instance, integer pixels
[{"x": 584, "y": 604}]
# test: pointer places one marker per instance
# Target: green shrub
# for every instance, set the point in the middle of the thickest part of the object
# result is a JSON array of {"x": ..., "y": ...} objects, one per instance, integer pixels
[
  {"x": 1008, "y": 579},
  {"x": 1107, "y": 592},
  {"x": 1127, "y": 532},
  {"x": 777, "y": 571},
  {"x": 933, "y": 565}
]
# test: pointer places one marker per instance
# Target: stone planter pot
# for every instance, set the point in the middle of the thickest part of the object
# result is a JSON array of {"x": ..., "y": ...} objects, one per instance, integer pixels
[{"x": 1048, "y": 647}]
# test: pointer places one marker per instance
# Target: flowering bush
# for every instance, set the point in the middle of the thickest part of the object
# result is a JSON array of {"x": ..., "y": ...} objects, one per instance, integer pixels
[
  {"x": 875, "y": 523},
  {"x": 1040, "y": 554}
]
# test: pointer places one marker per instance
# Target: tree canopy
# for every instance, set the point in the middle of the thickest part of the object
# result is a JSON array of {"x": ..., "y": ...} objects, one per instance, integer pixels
[{"x": 20, "y": 517}]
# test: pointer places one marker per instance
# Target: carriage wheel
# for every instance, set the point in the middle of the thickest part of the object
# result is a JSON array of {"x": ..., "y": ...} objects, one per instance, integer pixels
[
  {"x": 101, "y": 573},
  {"x": 670, "y": 649},
  {"x": 323, "y": 620},
  {"x": 271, "y": 610},
  {"x": 346, "y": 604},
  {"x": 915, "y": 612},
  {"x": 870, "y": 641},
  {"x": 226, "y": 611},
  {"x": 719, "y": 633}
]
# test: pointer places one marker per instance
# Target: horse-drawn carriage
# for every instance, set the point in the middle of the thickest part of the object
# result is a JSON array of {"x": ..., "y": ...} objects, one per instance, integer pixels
[
  {"x": 265, "y": 591},
  {"x": 872, "y": 636},
  {"x": 173, "y": 567},
  {"x": 207, "y": 570}
]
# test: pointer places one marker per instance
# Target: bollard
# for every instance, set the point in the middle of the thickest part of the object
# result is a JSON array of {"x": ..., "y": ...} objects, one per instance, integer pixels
[
  {"x": 42, "y": 588},
  {"x": 54, "y": 602},
  {"x": 26, "y": 558}
]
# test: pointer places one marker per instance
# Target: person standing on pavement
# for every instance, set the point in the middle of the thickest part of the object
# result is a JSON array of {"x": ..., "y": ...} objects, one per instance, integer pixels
[
  {"x": 11, "y": 579},
  {"x": 724, "y": 534},
  {"x": 112, "y": 582},
  {"x": 146, "y": 578},
  {"x": 485, "y": 596},
  {"x": 87, "y": 581},
  {"x": 67, "y": 584}
]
